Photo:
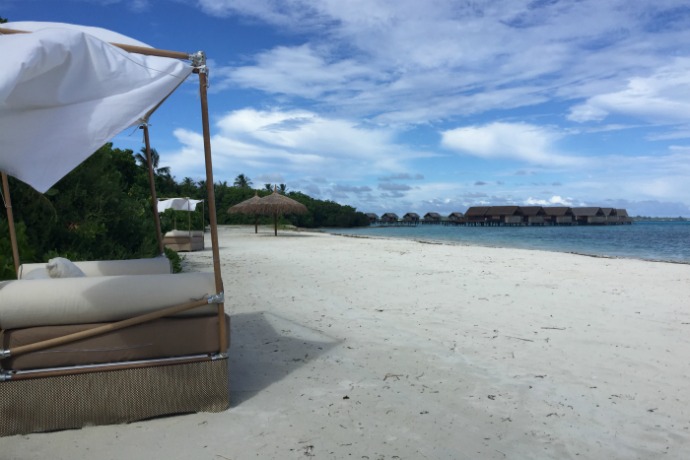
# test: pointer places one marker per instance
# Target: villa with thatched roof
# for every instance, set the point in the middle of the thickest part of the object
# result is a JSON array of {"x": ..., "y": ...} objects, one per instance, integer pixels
[
  {"x": 373, "y": 218},
  {"x": 389, "y": 218},
  {"x": 623, "y": 217},
  {"x": 411, "y": 218},
  {"x": 509, "y": 215},
  {"x": 533, "y": 215},
  {"x": 431, "y": 218},
  {"x": 476, "y": 215},
  {"x": 456, "y": 218},
  {"x": 558, "y": 215},
  {"x": 589, "y": 215}
]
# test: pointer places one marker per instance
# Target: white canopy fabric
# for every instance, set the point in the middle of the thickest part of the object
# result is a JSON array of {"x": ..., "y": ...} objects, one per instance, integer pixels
[
  {"x": 178, "y": 204},
  {"x": 65, "y": 91}
]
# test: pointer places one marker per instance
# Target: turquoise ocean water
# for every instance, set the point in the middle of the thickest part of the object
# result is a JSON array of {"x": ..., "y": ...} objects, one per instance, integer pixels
[{"x": 661, "y": 241}]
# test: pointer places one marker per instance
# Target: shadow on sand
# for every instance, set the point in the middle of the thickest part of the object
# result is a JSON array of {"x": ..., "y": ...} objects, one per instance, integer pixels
[{"x": 265, "y": 348}]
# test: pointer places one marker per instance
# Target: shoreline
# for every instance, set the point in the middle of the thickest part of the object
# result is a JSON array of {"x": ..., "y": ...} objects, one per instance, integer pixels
[
  {"x": 459, "y": 243},
  {"x": 431, "y": 240},
  {"x": 386, "y": 348}
]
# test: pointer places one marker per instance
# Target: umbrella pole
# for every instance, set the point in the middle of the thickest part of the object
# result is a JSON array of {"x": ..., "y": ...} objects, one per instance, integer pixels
[
  {"x": 203, "y": 86},
  {"x": 152, "y": 186},
  {"x": 10, "y": 222},
  {"x": 256, "y": 223},
  {"x": 275, "y": 223},
  {"x": 189, "y": 219}
]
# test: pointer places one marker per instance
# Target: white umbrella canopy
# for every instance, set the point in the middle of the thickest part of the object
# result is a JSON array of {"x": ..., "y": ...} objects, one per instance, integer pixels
[
  {"x": 65, "y": 91},
  {"x": 178, "y": 204}
]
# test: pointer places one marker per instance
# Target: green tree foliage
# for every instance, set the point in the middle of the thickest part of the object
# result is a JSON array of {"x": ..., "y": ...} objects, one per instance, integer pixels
[
  {"x": 103, "y": 210},
  {"x": 242, "y": 181}
]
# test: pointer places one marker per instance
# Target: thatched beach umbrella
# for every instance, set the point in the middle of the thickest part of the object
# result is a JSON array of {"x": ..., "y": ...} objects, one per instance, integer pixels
[
  {"x": 276, "y": 204},
  {"x": 248, "y": 207}
]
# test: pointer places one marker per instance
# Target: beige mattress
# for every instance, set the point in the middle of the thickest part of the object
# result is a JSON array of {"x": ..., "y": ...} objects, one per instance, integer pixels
[{"x": 162, "y": 338}]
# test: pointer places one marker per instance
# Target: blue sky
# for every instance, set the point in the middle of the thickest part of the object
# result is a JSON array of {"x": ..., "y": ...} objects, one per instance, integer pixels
[{"x": 417, "y": 106}]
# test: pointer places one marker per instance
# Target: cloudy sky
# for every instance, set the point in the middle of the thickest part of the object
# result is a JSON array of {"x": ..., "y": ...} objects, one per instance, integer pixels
[{"x": 433, "y": 105}]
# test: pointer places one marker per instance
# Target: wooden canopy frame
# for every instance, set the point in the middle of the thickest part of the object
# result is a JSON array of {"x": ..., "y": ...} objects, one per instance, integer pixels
[{"x": 198, "y": 61}]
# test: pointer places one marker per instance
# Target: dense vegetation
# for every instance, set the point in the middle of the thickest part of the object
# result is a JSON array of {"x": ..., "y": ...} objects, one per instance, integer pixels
[{"x": 102, "y": 210}]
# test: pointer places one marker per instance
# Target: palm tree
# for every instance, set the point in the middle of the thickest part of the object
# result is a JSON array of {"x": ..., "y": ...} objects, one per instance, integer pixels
[
  {"x": 155, "y": 158},
  {"x": 242, "y": 181},
  {"x": 282, "y": 188}
]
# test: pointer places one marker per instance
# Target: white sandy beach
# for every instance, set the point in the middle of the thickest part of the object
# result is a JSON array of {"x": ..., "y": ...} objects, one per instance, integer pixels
[{"x": 359, "y": 348}]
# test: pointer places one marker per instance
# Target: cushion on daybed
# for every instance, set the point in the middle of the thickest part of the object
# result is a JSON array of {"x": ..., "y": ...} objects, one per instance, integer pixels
[
  {"x": 150, "y": 266},
  {"x": 59, "y": 267},
  {"x": 45, "y": 302}
]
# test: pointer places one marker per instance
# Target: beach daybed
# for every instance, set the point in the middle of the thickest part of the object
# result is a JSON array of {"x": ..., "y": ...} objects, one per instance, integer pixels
[
  {"x": 99, "y": 342},
  {"x": 184, "y": 240},
  {"x": 152, "y": 358}
]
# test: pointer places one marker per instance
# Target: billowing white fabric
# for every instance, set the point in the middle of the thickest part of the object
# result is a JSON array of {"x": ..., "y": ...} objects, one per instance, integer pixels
[
  {"x": 178, "y": 204},
  {"x": 65, "y": 91}
]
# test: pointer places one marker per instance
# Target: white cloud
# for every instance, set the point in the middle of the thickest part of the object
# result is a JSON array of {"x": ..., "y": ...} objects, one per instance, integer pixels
[
  {"x": 663, "y": 97},
  {"x": 515, "y": 141},
  {"x": 300, "y": 71},
  {"x": 295, "y": 143},
  {"x": 407, "y": 61},
  {"x": 553, "y": 201}
]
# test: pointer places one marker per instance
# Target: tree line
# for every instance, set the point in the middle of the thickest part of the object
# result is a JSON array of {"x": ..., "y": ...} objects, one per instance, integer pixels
[{"x": 102, "y": 210}]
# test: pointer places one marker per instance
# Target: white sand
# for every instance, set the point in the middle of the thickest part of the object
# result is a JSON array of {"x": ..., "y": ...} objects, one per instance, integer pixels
[{"x": 381, "y": 349}]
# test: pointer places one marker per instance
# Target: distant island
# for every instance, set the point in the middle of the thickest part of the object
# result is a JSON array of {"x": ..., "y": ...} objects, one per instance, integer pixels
[{"x": 659, "y": 219}]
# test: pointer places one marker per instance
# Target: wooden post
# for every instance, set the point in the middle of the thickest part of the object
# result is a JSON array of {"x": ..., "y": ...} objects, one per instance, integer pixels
[
  {"x": 10, "y": 222},
  {"x": 203, "y": 87},
  {"x": 152, "y": 186}
]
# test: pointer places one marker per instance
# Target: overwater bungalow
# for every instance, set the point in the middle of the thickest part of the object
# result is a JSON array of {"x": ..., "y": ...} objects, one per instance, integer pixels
[
  {"x": 515, "y": 215},
  {"x": 455, "y": 218},
  {"x": 373, "y": 218},
  {"x": 532, "y": 215},
  {"x": 389, "y": 218},
  {"x": 558, "y": 215},
  {"x": 432, "y": 218},
  {"x": 610, "y": 215},
  {"x": 589, "y": 216},
  {"x": 411, "y": 218},
  {"x": 504, "y": 215},
  {"x": 476, "y": 215},
  {"x": 623, "y": 217}
]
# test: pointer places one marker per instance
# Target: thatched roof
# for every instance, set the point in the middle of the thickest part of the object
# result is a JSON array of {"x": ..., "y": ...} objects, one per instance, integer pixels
[
  {"x": 275, "y": 203},
  {"x": 247, "y": 206},
  {"x": 532, "y": 210},
  {"x": 557, "y": 211},
  {"x": 477, "y": 211},
  {"x": 503, "y": 211},
  {"x": 587, "y": 212}
]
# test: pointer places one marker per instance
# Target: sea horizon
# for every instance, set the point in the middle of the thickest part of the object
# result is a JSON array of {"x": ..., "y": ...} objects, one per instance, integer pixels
[{"x": 659, "y": 241}]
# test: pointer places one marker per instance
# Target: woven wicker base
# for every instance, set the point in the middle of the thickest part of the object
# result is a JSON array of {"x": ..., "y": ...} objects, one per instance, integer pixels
[{"x": 119, "y": 396}]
